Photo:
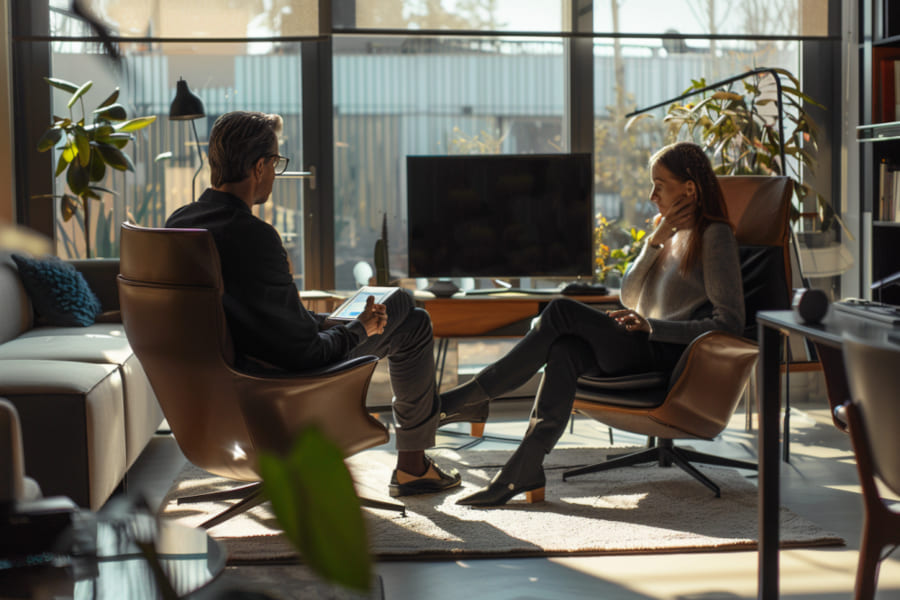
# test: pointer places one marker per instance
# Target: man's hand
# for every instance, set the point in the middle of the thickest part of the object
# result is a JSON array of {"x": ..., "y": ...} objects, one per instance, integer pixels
[{"x": 373, "y": 316}]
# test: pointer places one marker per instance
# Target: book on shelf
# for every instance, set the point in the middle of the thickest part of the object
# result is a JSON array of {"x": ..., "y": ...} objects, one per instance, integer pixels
[{"x": 888, "y": 192}]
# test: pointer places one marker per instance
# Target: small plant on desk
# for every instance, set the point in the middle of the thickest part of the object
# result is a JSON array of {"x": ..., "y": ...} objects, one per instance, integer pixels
[{"x": 616, "y": 249}]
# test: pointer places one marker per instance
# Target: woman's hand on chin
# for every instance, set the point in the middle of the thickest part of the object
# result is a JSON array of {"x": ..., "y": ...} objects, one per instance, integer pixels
[{"x": 682, "y": 214}]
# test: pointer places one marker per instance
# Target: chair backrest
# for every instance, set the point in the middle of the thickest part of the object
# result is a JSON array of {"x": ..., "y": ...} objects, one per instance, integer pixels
[
  {"x": 759, "y": 209},
  {"x": 873, "y": 372},
  {"x": 170, "y": 289},
  {"x": 170, "y": 292}
]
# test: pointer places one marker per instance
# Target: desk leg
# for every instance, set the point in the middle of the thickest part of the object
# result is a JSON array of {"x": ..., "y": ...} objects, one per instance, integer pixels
[
  {"x": 769, "y": 465},
  {"x": 443, "y": 344},
  {"x": 446, "y": 364}
]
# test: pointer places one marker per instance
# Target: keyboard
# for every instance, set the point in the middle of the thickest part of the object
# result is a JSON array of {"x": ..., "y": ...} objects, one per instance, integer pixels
[{"x": 869, "y": 309}]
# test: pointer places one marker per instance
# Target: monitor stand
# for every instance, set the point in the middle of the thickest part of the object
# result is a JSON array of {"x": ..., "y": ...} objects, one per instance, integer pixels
[{"x": 442, "y": 288}]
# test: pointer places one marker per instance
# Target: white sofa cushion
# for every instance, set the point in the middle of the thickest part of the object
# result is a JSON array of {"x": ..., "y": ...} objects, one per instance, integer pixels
[
  {"x": 72, "y": 416},
  {"x": 142, "y": 412}
]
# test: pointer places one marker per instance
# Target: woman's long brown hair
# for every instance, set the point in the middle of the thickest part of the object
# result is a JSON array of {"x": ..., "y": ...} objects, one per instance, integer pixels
[{"x": 687, "y": 162}]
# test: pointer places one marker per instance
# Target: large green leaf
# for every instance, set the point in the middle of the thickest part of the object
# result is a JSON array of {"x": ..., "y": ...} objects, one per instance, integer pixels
[
  {"x": 79, "y": 93},
  {"x": 68, "y": 206},
  {"x": 70, "y": 151},
  {"x": 315, "y": 503},
  {"x": 98, "y": 167},
  {"x": 62, "y": 84},
  {"x": 135, "y": 124},
  {"x": 110, "y": 99},
  {"x": 113, "y": 112},
  {"x": 114, "y": 157},
  {"x": 101, "y": 131},
  {"x": 61, "y": 164},
  {"x": 50, "y": 138},
  {"x": 77, "y": 177},
  {"x": 105, "y": 190},
  {"x": 119, "y": 140},
  {"x": 83, "y": 143}
]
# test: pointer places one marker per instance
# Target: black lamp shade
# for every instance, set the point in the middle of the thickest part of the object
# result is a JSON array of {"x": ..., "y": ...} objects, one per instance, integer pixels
[{"x": 186, "y": 106}]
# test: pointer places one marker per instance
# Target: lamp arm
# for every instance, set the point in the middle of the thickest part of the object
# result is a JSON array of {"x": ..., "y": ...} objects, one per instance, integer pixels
[
  {"x": 778, "y": 101},
  {"x": 199, "y": 155}
]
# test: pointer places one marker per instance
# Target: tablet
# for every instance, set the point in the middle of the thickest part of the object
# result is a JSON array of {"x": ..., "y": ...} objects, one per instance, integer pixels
[{"x": 355, "y": 304}]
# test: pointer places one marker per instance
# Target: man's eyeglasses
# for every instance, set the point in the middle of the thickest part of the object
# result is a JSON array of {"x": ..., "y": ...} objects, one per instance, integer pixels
[{"x": 280, "y": 164}]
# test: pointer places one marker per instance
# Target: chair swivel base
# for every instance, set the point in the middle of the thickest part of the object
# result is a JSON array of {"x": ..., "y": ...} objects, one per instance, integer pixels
[
  {"x": 666, "y": 454},
  {"x": 251, "y": 496}
]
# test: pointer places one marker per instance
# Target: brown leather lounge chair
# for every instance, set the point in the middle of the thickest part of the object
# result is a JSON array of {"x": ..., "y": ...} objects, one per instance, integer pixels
[
  {"x": 170, "y": 288},
  {"x": 697, "y": 399}
]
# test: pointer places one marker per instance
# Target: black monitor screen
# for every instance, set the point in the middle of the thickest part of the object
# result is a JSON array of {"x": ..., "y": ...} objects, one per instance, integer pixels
[{"x": 500, "y": 215}]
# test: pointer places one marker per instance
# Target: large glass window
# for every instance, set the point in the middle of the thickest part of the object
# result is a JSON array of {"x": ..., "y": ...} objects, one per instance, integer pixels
[
  {"x": 397, "y": 96},
  {"x": 408, "y": 77},
  {"x": 631, "y": 76},
  {"x": 171, "y": 167}
]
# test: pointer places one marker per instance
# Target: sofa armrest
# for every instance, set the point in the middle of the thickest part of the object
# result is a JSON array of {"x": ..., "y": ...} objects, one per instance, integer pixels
[{"x": 101, "y": 274}]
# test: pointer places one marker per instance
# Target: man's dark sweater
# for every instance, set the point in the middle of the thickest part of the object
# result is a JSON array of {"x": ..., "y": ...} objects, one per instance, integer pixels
[{"x": 264, "y": 312}]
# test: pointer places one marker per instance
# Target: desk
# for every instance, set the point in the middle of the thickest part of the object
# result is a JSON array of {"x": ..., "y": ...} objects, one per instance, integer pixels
[
  {"x": 772, "y": 326},
  {"x": 495, "y": 315}
]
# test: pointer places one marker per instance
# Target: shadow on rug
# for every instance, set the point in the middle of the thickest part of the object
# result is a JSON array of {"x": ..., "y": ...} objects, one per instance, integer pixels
[{"x": 629, "y": 510}]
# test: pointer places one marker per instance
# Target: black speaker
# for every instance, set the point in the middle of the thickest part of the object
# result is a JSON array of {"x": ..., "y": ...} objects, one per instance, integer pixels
[{"x": 810, "y": 305}]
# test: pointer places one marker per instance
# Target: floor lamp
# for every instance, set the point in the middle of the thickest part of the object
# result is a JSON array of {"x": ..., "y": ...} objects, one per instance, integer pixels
[{"x": 188, "y": 107}]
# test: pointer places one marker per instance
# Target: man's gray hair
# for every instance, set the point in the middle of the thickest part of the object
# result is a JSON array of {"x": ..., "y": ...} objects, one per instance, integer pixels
[{"x": 238, "y": 139}]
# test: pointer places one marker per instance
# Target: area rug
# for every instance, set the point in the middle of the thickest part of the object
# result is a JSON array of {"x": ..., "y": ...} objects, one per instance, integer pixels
[{"x": 628, "y": 510}]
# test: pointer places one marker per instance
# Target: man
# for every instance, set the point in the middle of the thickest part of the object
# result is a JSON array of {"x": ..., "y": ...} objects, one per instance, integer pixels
[{"x": 270, "y": 327}]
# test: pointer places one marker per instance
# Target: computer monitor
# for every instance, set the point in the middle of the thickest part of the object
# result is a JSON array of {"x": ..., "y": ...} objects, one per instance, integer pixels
[{"x": 500, "y": 216}]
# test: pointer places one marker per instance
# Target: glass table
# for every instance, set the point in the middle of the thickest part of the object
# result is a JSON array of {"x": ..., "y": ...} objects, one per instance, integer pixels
[{"x": 127, "y": 555}]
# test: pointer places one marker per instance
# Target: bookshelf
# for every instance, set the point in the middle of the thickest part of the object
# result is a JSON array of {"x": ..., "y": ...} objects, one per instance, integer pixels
[{"x": 879, "y": 138}]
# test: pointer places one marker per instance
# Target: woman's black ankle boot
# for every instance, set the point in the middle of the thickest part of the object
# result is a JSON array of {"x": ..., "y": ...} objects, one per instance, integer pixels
[
  {"x": 467, "y": 403},
  {"x": 523, "y": 472}
]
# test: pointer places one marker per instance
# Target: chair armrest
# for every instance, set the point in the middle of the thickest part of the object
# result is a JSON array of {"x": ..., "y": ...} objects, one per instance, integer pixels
[
  {"x": 275, "y": 408},
  {"x": 336, "y": 368}
]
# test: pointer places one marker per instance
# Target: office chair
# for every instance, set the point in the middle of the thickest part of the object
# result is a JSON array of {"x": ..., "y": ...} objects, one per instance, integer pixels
[
  {"x": 697, "y": 399},
  {"x": 873, "y": 416},
  {"x": 170, "y": 288}
]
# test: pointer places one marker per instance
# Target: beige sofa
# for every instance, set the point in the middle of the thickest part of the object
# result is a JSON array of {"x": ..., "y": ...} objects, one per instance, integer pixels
[{"x": 85, "y": 405}]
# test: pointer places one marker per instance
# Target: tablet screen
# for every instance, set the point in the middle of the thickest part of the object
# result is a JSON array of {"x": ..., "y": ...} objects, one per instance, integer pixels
[{"x": 355, "y": 304}]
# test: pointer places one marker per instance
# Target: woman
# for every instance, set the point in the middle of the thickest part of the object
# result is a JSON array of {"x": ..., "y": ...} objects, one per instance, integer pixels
[{"x": 685, "y": 282}]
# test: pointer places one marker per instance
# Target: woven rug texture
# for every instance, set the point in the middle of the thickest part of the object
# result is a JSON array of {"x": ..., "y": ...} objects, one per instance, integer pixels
[{"x": 642, "y": 509}]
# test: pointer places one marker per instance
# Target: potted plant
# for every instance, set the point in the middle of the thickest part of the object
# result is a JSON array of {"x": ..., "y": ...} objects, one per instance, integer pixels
[
  {"x": 741, "y": 131},
  {"x": 615, "y": 249},
  {"x": 89, "y": 144}
]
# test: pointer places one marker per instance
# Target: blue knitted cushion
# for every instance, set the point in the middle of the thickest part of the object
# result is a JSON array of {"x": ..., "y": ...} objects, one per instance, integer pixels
[{"x": 59, "y": 293}]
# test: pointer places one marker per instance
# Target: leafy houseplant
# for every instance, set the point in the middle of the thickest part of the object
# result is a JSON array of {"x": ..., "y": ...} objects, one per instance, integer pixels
[
  {"x": 88, "y": 148},
  {"x": 741, "y": 131}
]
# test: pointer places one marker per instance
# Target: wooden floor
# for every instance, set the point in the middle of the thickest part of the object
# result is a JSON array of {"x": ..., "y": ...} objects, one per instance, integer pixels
[{"x": 820, "y": 484}]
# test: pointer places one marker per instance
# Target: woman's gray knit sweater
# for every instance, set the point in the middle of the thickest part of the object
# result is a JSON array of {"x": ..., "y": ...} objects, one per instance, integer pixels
[{"x": 680, "y": 308}]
